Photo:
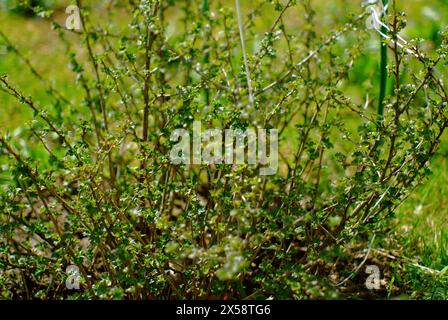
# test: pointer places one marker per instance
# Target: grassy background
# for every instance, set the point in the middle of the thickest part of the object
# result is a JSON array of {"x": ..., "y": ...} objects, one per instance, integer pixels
[{"x": 418, "y": 250}]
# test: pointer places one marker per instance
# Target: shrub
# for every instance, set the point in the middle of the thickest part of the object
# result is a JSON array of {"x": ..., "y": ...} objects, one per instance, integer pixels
[{"x": 93, "y": 184}]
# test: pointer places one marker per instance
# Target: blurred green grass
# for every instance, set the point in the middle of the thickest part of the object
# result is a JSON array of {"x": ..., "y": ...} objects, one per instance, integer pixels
[{"x": 34, "y": 38}]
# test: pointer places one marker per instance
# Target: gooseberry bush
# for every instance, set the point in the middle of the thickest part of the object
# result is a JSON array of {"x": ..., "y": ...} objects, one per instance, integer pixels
[{"x": 90, "y": 183}]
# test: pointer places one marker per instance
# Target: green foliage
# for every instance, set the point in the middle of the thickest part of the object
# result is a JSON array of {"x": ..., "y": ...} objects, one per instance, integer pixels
[
  {"x": 421, "y": 236},
  {"x": 90, "y": 182}
]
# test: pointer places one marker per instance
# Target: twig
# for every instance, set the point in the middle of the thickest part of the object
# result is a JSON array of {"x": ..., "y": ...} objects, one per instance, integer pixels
[{"x": 243, "y": 47}]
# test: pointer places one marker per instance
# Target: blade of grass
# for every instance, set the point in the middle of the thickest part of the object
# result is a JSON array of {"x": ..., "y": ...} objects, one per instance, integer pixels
[{"x": 383, "y": 67}]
